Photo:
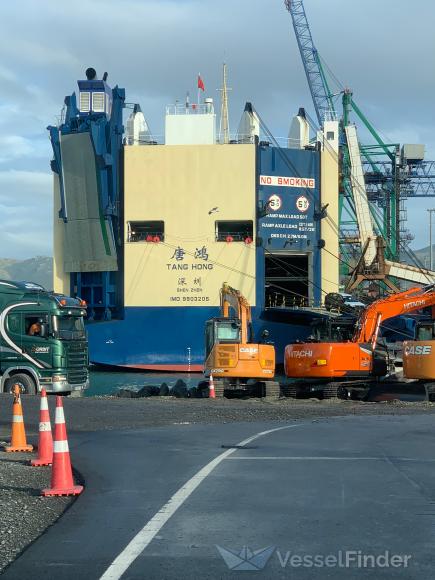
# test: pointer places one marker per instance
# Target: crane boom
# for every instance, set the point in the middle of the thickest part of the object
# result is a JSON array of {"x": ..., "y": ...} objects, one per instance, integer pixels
[
  {"x": 319, "y": 88},
  {"x": 362, "y": 208}
]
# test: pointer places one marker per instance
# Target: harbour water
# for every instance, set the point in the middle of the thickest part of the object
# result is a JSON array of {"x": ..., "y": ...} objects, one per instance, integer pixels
[{"x": 108, "y": 383}]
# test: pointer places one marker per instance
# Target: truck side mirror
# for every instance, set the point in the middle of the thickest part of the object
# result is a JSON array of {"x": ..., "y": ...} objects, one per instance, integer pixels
[{"x": 44, "y": 331}]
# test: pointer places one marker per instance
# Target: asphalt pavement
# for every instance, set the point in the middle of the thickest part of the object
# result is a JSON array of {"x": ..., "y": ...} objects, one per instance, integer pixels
[{"x": 348, "y": 497}]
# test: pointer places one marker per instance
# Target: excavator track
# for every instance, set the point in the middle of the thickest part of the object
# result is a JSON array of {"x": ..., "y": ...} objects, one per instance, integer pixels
[
  {"x": 271, "y": 390},
  {"x": 289, "y": 391},
  {"x": 219, "y": 388},
  {"x": 331, "y": 390},
  {"x": 430, "y": 392}
]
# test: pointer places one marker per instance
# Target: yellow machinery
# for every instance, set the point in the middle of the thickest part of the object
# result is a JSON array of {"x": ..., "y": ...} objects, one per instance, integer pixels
[
  {"x": 231, "y": 356},
  {"x": 419, "y": 356}
]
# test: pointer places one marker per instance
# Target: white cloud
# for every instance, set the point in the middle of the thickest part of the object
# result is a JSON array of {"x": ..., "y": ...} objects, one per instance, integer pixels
[
  {"x": 25, "y": 213},
  {"x": 155, "y": 48},
  {"x": 15, "y": 146},
  {"x": 38, "y": 183}
]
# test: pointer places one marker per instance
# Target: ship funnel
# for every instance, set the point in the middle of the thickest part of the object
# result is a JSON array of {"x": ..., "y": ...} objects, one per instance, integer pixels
[
  {"x": 91, "y": 74},
  {"x": 249, "y": 126},
  {"x": 138, "y": 132},
  {"x": 299, "y": 133}
]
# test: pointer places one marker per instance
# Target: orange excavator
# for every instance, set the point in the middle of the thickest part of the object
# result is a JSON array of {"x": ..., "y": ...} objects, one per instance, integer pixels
[
  {"x": 346, "y": 368},
  {"x": 232, "y": 358}
]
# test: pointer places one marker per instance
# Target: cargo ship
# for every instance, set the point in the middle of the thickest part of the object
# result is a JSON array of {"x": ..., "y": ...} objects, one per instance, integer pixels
[{"x": 147, "y": 230}]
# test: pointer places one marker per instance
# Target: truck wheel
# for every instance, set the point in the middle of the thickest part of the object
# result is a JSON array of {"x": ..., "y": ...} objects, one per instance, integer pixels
[{"x": 26, "y": 384}]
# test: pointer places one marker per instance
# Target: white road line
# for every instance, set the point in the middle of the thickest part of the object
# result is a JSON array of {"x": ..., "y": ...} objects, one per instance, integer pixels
[
  {"x": 143, "y": 538},
  {"x": 298, "y": 458},
  {"x": 325, "y": 458}
]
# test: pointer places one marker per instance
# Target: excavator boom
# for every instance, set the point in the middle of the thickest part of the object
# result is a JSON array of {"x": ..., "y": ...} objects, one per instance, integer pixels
[
  {"x": 232, "y": 298},
  {"x": 389, "y": 307}
]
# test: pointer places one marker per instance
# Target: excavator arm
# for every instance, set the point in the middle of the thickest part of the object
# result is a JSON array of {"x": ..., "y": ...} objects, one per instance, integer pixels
[
  {"x": 232, "y": 298},
  {"x": 394, "y": 305}
]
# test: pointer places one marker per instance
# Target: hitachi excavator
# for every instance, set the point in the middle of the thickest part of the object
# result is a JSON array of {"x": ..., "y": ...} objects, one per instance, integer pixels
[
  {"x": 419, "y": 356},
  {"x": 232, "y": 358},
  {"x": 346, "y": 368}
]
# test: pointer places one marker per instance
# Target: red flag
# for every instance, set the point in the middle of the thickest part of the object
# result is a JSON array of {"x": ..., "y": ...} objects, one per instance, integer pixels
[{"x": 200, "y": 83}]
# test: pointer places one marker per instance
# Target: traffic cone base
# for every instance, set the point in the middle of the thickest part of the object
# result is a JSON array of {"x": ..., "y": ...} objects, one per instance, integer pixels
[
  {"x": 45, "y": 443},
  {"x": 18, "y": 435},
  {"x": 75, "y": 490},
  {"x": 17, "y": 449},
  {"x": 40, "y": 462}
]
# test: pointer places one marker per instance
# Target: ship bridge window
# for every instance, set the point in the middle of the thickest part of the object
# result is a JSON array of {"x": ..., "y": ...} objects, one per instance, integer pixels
[
  {"x": 98, "y": 100},
  {"x": 234, "y": 231},
  {"x": 146, "y": 231},
  {"x": 85, "y": 102}
]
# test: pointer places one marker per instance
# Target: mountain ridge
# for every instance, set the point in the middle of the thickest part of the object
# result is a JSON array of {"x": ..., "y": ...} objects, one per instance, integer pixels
[{"x": 38, "y": 269}]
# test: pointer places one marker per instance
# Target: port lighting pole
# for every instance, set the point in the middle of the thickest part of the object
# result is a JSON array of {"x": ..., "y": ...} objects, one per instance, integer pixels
[{"x": 430, "y": 238}]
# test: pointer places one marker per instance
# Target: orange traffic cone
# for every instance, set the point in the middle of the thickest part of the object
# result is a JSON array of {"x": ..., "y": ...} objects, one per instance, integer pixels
[
  {"x": 18, "y": 435},
  {"x": 61, "y": 474},
  {"x": 211, "y": 391},
  {"x": 45, "y": 443}
]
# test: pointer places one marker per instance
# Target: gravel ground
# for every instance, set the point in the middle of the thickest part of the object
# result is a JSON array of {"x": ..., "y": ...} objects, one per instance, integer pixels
[{"x": 24, "y": 515}]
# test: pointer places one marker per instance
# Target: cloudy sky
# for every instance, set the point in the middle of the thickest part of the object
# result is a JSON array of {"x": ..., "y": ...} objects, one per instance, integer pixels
[{"x": 155, "y": 48}]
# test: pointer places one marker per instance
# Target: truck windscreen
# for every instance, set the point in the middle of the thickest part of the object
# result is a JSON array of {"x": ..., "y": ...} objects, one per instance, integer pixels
[{"x": 69, "y": 327}]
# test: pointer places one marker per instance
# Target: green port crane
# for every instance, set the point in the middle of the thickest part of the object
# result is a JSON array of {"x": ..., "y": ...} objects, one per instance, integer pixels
[{"x": 368, "y": 173}]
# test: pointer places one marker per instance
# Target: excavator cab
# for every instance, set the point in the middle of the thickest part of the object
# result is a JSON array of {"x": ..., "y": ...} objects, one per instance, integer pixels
[
  {"x": 340, "y": 329},
  {"x": 222, "y": 331},
  {"x": 425, "y": 330}
]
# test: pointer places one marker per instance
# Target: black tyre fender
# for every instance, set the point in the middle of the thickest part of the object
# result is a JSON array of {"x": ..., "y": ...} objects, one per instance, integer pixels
[{"x": 25, "y": 382}]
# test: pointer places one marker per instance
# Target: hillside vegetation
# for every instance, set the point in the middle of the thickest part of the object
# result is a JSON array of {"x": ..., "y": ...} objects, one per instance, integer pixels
[{"x": 38, "y": 270}]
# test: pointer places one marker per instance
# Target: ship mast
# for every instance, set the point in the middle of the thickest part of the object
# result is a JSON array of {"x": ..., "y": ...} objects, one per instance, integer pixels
[{"x": 224, "y": 128}]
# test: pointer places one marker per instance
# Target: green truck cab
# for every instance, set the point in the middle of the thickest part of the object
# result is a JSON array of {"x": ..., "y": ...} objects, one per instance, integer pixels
[{"x": 43, "y": 341}]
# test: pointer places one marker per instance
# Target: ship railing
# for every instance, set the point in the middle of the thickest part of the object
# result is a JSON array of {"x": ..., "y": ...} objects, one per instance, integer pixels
[
  {"x": 152, "y": 140},
  {"x": 234, "y": 139},
  {"x": 292, "y": 302},
  {"x": 240, "y": 139},
  {"x": 148, "y": 236},
  {"x": 190, "y": 109}
]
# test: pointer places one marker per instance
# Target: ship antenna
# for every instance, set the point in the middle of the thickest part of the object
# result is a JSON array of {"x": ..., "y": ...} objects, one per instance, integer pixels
[{"x": 224, "y": 128}]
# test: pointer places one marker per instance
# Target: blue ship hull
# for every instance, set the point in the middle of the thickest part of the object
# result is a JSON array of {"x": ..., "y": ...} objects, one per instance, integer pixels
[{"x": 172, "y": 339}]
